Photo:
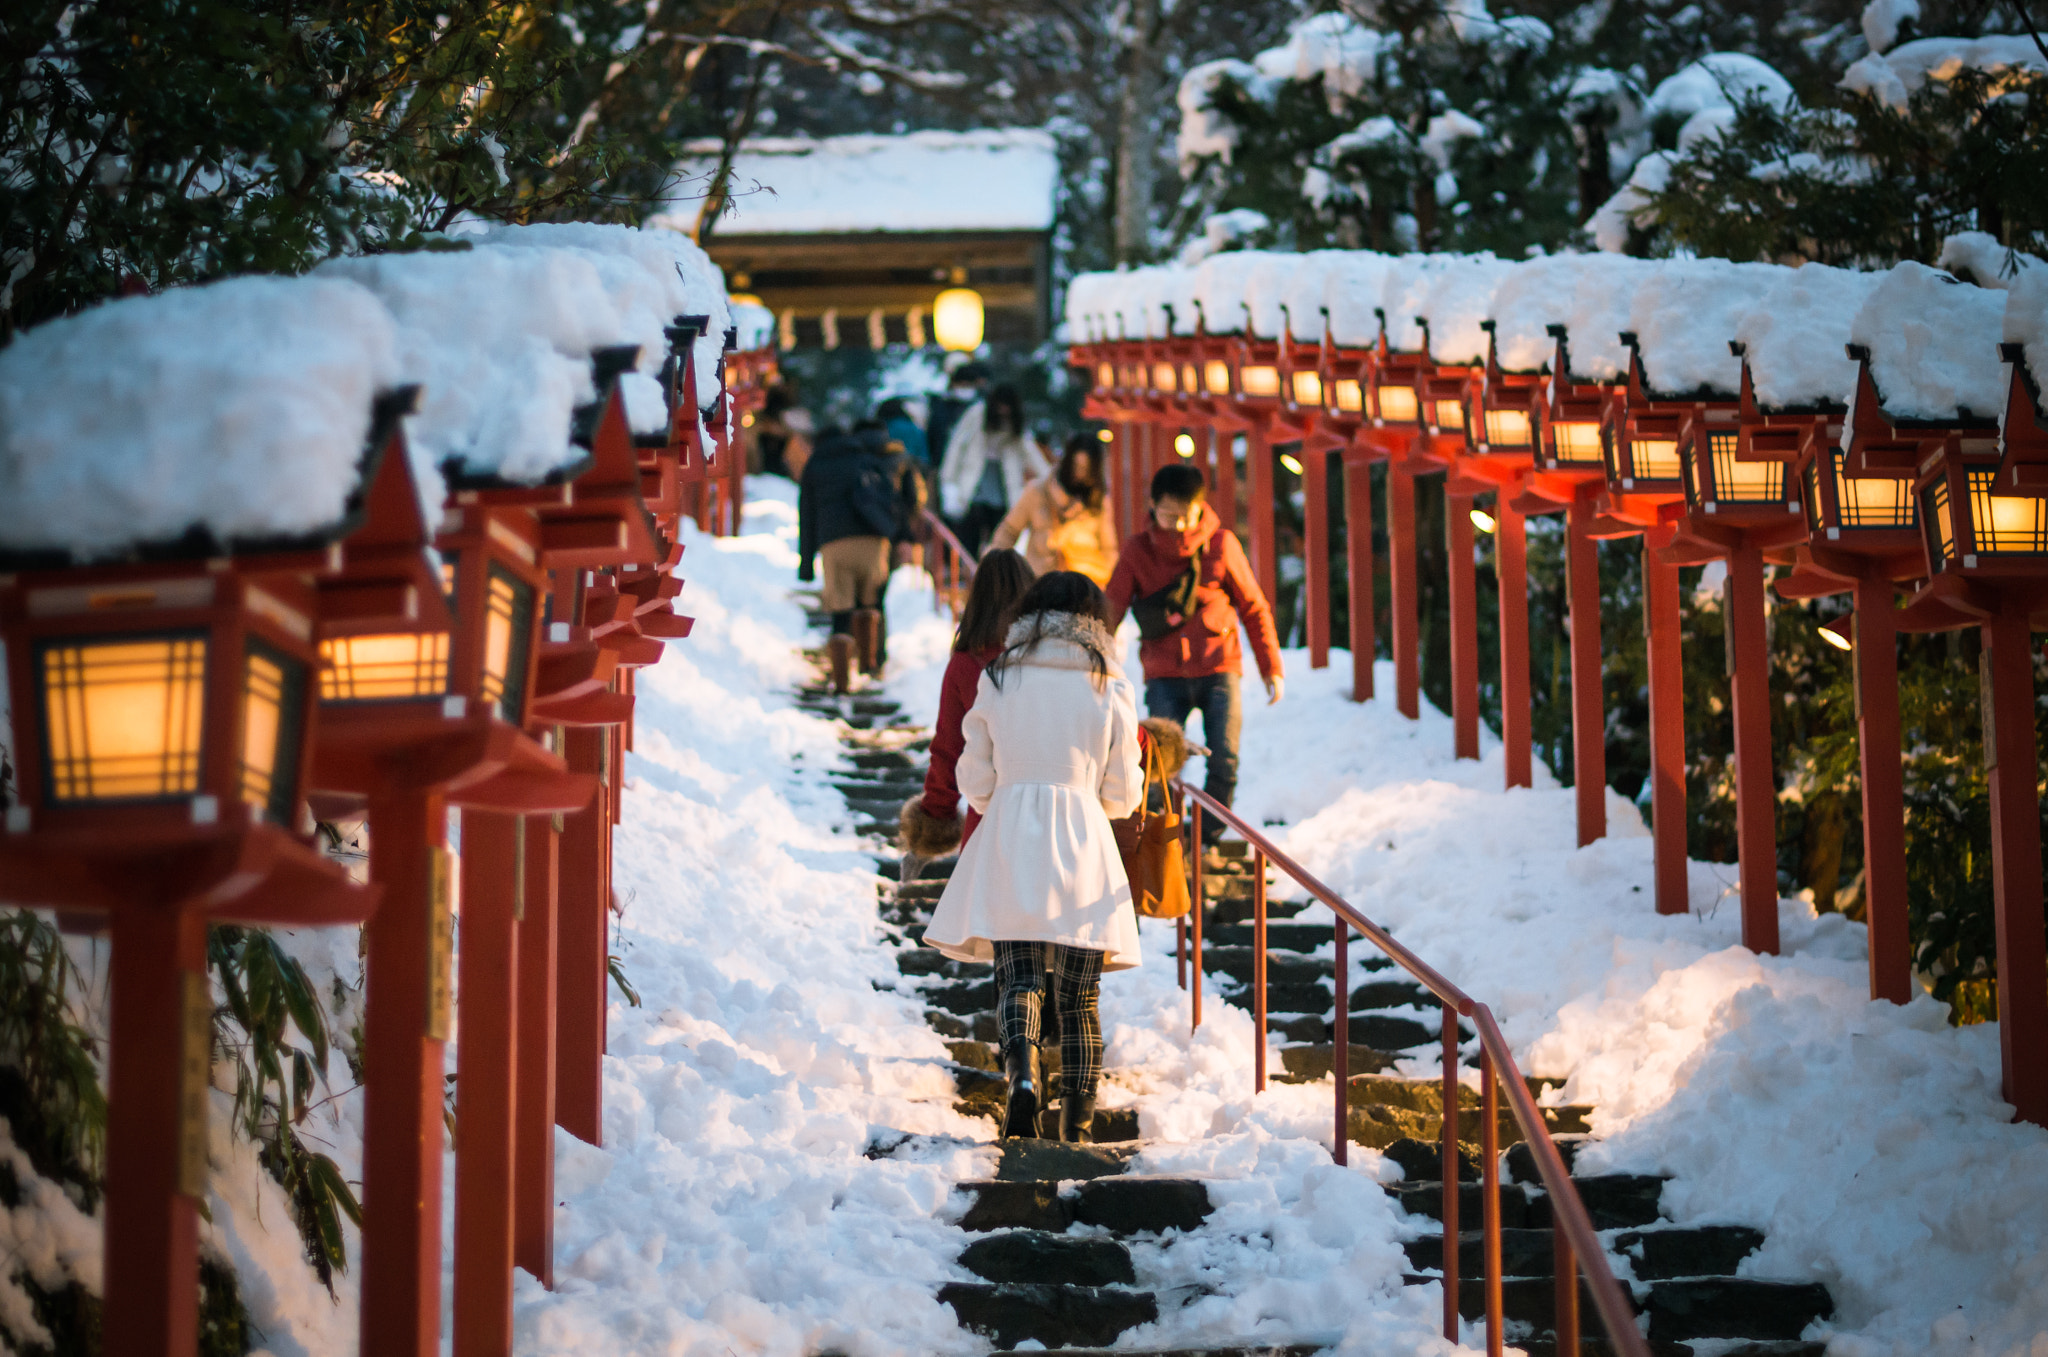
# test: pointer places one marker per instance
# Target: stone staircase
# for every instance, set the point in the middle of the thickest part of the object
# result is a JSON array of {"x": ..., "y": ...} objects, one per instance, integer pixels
[{"x": 1050, "y": 1249}]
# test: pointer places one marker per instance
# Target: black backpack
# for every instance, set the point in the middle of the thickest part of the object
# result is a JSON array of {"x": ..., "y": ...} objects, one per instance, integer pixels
[
  {"x": 1163, "y": 611},
  {"x": 877, "y": 502}
]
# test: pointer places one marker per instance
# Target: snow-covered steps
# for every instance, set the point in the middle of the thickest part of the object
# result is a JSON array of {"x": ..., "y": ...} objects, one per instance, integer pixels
[{"x": 1684, "y": 1277}]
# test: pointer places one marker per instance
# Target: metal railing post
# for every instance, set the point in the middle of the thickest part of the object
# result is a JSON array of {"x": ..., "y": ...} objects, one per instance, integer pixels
[
  {"x": 1195, "y": 920},
  {"x": 1451, "y": 1172},
  {"x": 1180, "y": 950},
  {"x": 1565, "y": 1264},
  {"x": 1259, "y": 972},
  {"x": 1340, "y": 1041},
  {"x": 1489, "y": 1205}
]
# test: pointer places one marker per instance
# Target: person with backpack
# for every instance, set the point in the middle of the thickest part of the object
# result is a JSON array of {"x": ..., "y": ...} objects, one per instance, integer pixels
[
  {"x": 1050, "y": 757},
  {"x": 1064, "y": 519},
  {"x": 1186, "y": 580},
  {"x": 859, "y": 494}
]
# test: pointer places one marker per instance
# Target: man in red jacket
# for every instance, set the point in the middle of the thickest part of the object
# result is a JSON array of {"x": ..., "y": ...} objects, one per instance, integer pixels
[{"x": 1193, "y": 663}]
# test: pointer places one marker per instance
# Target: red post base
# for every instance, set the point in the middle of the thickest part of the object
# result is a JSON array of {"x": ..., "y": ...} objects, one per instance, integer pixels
[
  {"x": 1464, "y": 626},
  {"x": 493, "y": 861},
  {"x": 1358, "y": 551},
  {"x": 1667, "y": 730},
  {"x": 580, "y": 939},
  {"x": 533, "y": 1205},
  {"x": 2011, "y": 754},
  {"x": 1884, "y": 798},
  {"x": 402, "y": 1110},
  {"x": 1511, "y": 569},
  {"x": 1401, "y": 567},
  {"x": 152, "y": 1215},
  {"x": 1756, "y": 791},
  {"x": 1589, "y": 706}
]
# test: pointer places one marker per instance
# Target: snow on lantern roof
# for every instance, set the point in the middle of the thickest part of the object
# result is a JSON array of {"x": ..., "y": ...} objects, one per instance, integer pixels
[
  {"x": 1459, "y": 298},
  {"x": 239, "y": 409},
  {"x": 2026, "y": 321},
  {"x": 500, "y": 335},
  {"x": 1795, "y": 337},
  {"x": 1598, "y": 310},
  {"x": 1403, "y": 295},
  {"x": 1351, "y": 293},
  {"x": 1542, "y": 293},
  {"x": 1683, "y": 316},
  {"x": 1306, "y": 292},
  {"x": 999, "y": 180},
  {"x": 1933, "y": 351},
  {"x": 1221, "y": 283},
  {"x": 1265, "y": 291}
]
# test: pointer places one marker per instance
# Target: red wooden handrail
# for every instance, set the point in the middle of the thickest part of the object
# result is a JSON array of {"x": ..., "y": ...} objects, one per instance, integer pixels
[
  {"x": 1575, "y": 1244},
  {"x": 959, "y": 569}
]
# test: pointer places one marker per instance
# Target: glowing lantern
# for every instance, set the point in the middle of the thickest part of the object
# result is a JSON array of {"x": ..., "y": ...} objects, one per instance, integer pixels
[{"x": 957, "y": 319}]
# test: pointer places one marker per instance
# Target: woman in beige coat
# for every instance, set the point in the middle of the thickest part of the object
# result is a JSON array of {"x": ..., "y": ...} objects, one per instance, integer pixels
[
  {"x": 1067, "y": 517},
  {"x": 1051, "y": 758}
]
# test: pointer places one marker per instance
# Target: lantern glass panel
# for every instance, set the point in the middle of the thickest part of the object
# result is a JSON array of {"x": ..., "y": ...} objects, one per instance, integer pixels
[
  {"x": 1579, "y": 440},
  {"x": 1447, "y": 415},
  {"x": 1216, "y": 376},
  {"x": 1654, "y": 459},
  {"x": 1260, "y": 381},
  {"x": 1349, "y": 394},
  {"x": 123, "y": 719},
  {"x": 1398, "y": 403},
  {"x": 1105, "y": 376},
  {"x": 1941, "y": 532},
  {"x": 1507, "y": 428},
  {"x": 1308, "y": 388},
  {"x": 386, "y": 667},
  {"x": 1744, "y": 482},
  {"x": 1188, "y": 381},
  {"x": 1162, "y": 377},
  {"x": 2006, "y": 524},
  {"x": 273, "y": 710},
  {"x": 1871, "y": 501},
  {"x": 508, "y": 635}
]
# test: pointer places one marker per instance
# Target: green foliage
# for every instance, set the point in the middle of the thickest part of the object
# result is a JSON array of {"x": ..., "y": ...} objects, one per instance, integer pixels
[
  {"x": 49, "y": 1073},
  {"x": 269, "y": 997},
  {"x": 1859, "y": 181},
  {"x": 170, "y": 141}
]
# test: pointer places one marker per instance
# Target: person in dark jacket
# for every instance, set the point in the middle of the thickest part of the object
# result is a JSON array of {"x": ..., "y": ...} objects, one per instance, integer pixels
[
  {"x": 859, "y": 494},
  {"x": 895, "y": 417},
  {"x": 1195, "y": 665}
]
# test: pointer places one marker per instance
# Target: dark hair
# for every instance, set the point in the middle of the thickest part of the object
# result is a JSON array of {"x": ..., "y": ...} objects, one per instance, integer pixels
[
  {"x": 1179, "y": 480},
  {"x": 1089, "y": 491},
  {"x": 892, "y": 408},
  {"x": 1056, "y": 591},
  {"x": 1000, "y": 579},
  {"x": 1007, "y": 397},
  {"x": 778, "y": 399}
]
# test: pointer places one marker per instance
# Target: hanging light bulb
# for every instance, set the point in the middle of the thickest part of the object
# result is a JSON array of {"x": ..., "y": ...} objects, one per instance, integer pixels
[
  {"x": 1105, "y": 436},
  {"x": 1288, "y": 460},
  {"x": 1836, "y": 633},
  {"x": 957, "y": 316},
  {"x": 1184, "y": 444},
  {"x": 1483, "y": 520}
]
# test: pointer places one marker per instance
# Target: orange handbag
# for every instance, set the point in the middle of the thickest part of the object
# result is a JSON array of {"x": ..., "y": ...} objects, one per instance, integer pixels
[{"x": 1149, "y": 841}]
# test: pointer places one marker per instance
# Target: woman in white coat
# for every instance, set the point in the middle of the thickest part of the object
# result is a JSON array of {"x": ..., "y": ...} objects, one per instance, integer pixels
[
  {"x": 1051, "y": 758},
  {"x": 990, "y": 458}
]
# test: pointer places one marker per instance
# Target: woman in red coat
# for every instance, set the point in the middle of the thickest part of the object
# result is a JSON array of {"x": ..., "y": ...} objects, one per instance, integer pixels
[{"x": 931, "y": 823}]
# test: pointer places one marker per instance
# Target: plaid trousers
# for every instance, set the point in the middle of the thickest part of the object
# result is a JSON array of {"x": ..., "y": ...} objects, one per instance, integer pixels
[{"x": 1077, "y": 981}]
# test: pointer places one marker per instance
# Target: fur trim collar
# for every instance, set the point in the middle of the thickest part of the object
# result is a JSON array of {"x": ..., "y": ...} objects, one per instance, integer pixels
[{"x": 1082, "y": 634}]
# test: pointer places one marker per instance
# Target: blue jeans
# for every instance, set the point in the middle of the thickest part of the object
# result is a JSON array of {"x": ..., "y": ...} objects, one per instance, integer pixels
[{"x": 1216, "y": 697}]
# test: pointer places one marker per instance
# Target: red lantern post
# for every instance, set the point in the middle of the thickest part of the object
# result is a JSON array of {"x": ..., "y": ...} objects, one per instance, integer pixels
[{"x": 163, "y": 714}]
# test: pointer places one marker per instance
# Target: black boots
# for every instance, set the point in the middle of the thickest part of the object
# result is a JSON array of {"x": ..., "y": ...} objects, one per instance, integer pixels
[
  {"x": 1077, "y": 1119},
  {"x": 1020, "y": 1065}
]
